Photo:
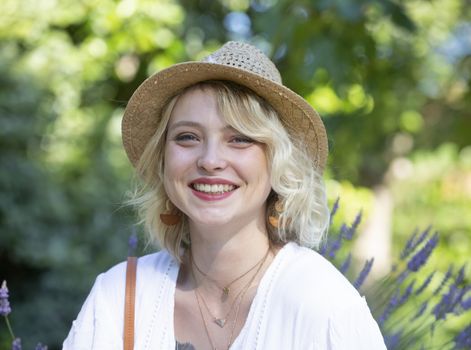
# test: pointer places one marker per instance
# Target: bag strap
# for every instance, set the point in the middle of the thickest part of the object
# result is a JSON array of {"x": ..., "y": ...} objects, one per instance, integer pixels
[{"x": 129, "y": 299}]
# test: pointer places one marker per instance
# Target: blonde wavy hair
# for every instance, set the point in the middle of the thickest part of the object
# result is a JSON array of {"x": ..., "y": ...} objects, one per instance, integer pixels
[{"x": 297, "y": 186}]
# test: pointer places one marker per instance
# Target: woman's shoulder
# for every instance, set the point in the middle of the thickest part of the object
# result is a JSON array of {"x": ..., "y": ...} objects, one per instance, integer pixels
[
  {"x": 101, "y": 317},
  {"x": 156, "y": 264},
  {"x": 311, "y": 300},
  {"x": 315, "y": 279}
]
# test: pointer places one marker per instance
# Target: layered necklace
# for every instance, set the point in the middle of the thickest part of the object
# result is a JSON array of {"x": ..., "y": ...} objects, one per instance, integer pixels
[
  {"x": 221, "y": 321},
  {"x": 226, "y": 288}
]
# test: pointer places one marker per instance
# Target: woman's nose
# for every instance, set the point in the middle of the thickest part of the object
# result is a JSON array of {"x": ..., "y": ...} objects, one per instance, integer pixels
[{"x": 211, "y": 158}]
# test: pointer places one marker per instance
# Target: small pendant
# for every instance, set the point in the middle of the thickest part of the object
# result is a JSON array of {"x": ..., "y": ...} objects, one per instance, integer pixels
[
  {"x": 221, "y": 322},
  {"x": 225, "y": 291}
]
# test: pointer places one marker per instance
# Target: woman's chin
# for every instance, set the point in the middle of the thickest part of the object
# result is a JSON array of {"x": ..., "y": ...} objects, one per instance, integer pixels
[
  {"x": 212, "y": 217},
  {"x": 212, "y": 221}
]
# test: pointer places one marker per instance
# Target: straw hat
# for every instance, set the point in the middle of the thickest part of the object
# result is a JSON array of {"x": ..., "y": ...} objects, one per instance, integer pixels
[{"x": 234, "y": 61}]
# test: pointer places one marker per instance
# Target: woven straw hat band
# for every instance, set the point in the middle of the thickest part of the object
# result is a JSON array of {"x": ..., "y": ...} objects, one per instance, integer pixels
[{"x": 237, "y": 62}]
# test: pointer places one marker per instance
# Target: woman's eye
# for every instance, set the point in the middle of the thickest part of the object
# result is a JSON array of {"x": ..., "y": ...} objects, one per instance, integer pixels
[
  {"x": 242, "y": 139},
  {"x": 185, "y": 137}
]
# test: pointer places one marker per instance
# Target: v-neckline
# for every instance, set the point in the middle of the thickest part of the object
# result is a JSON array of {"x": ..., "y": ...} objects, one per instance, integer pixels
[{"x": 262, "y": 290}]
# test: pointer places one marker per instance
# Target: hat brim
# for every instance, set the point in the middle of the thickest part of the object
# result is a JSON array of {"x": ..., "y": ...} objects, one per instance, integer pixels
[{"x": 143, "y": 112}]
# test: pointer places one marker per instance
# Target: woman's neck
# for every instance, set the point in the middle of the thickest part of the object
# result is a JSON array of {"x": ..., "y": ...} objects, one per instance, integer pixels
[{"x": 223, "y": 253}]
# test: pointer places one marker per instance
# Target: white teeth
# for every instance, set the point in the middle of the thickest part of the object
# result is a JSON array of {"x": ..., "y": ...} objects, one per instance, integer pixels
[{"x": 216, "y": 188}]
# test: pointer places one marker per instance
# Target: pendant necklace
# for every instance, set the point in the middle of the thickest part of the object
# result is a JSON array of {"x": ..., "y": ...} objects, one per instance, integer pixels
[
  {"x": 242, "y": 294},
  {"x": 221, "y": 321},
  {"x": 226, "y": 289}
]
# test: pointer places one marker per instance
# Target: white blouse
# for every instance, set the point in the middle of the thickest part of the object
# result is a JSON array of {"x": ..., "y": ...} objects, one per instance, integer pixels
[{"x": 302, "y": 302}]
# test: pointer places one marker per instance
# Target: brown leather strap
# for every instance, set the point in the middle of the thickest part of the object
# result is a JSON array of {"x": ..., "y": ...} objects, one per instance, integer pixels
[{"x": 128, "y": 338}]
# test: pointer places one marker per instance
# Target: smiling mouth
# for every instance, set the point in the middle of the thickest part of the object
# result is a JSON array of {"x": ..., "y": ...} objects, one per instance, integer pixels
[{"x": 213, "y": 189}]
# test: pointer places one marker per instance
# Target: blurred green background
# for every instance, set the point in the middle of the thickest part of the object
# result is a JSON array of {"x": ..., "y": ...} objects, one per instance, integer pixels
[{"x": 392, "y": 80}]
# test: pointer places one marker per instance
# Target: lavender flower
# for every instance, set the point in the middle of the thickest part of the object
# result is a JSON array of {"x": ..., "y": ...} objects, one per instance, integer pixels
[
  {"x": 335, "y": 207},
  {"x": 425, "y": 283},
  {"x": 445, "y": 279},
  {"x": 463, "y": 339},
  {"x": 449, "y": 302},
  {"x": 396, "y": 300},
  {"x": 406, "y": 293},
  {"x": 422, "y": 237},
  {"x": 404, "y": 274},
  {"x": 409, "y": 245},
  {"x": 413, "y": 243},
  {"x": 393, "y": 302},
  {"x": 460, "y": 277},
  {"x": 363, "y": 273},
  {"x": 463, "y": 304},
  {"x": 420, "y": 258},
  {"x": 5, "y": 308},
  {"x": 350, "y": 232},
  {"x": 335, "y": 246},
  {"x": 346, "y": 264},
  {"x": 441, "y": 309},
  {"x": 16, "y": 344},
  {"x": 421, "y": 310},
  {"x": 323, "y": 249},
  {"x": 392, "y": 341},
  {"x": 466, "y": 304}
]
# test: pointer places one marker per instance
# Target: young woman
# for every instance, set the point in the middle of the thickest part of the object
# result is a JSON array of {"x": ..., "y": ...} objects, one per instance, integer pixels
[{"x": 231, "y": 163}]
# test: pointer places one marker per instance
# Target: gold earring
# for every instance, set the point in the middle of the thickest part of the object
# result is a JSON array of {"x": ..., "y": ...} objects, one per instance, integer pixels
[
  {"x": 167, "y": 217},
  {"x": 278, "y": 209}
]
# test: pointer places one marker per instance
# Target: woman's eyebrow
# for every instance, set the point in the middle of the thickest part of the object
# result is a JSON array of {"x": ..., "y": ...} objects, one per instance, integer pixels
[
  {"x": 196, "y": 125},
  {"x": 184, "y": 123}
]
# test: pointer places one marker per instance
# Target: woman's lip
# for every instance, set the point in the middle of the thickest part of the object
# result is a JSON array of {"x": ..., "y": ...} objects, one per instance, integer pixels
[
  {"x": 212, "y": 181},
  {"x": 212, "y": 196}
]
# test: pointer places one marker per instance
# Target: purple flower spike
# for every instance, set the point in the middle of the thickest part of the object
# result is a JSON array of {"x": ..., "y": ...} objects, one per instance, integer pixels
[
  {"x": 39, "y": 346},
  {"x": 460, "y": 277},
  {"x": 463, "y": 339},
  {"x": 5, "y": 308},
  {"x": 16, "y": 344},
  {"x": 422, "y": 237},
  {"x": 420, "y": 258},
  {"x": 404, "y": 274},
  {"x": 323, "y": 249},
  {"x": 466, "y": 304},
  {"x": 421, "y": 311},
  {"x": 352, "y": 229},
  {"x": 392, "y": 341},
  {"x": 409, "y": 244},
  {"x": 393, "y": 302},
  {"x": 335, "y": 207},
  {"x": 363, "y": 273},
  {"x": 445, "y": 279},
  {"x": 346, "y": 264},
  {"x": 450, "y": 301},
  {"x": 425, "y": 283},
  {"x": 413, "y": 243},
  {"x": 343, "y": 230},
  {"x": 335, "y": 246},
  {"x": 407, "y": 293},
  {"x": 396, "y": 300}
]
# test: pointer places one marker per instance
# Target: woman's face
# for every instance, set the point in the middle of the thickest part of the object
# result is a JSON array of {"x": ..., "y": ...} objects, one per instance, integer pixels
[{"x": 212, "y": 173}]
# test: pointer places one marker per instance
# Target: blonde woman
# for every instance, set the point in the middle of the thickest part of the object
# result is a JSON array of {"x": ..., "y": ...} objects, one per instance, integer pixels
[{"x": 231, "y": 166}]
